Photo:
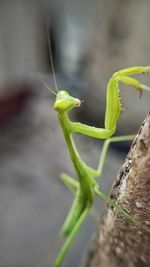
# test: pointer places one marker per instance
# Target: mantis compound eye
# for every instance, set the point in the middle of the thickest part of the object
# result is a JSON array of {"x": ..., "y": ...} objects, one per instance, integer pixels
[{"x": 77, "y": 103}]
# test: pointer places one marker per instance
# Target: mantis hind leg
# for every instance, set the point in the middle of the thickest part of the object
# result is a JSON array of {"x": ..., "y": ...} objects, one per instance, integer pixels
[
  {"x": 71, "y": 236},
  {"x": 73, "y": 185},
  {"x": 77, "y": 206},
  {"x": 74, "y": 214},
  {"x": 121, "y": 210}
]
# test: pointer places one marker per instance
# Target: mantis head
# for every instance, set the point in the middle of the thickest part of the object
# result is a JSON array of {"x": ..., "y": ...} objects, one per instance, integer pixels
[{"x": 65, "y": 102}]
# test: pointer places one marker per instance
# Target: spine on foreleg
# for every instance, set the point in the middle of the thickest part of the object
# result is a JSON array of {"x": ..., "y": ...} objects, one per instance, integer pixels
[{"x": 113, "y": 105}]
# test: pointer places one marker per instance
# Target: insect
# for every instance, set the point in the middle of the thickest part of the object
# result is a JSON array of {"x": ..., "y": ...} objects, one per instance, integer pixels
[{"x": 86, "y": 187}]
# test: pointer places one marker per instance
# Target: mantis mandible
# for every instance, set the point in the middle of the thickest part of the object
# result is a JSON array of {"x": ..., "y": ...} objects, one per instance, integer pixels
[{"x": 86, "y": 187}]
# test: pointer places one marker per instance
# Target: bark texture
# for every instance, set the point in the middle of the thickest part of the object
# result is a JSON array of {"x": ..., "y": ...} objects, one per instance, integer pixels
[{"x": 118, "y": 242}]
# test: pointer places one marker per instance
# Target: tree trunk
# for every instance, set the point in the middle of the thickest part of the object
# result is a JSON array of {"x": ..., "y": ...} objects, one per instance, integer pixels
[{"x": 119, "y": 242}]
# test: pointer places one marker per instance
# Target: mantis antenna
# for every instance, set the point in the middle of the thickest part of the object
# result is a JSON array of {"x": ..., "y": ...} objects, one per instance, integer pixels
[
  {"x": 52, "y": 64},
  {"x": 39, "y": 78}
]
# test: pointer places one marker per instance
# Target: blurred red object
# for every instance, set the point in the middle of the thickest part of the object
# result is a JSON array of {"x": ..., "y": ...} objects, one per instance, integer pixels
[{"x": 14, "y": 101}]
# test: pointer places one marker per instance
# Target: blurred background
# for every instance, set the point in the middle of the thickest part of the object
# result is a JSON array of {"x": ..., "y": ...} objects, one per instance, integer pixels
[{"x": 90, "y": 40}]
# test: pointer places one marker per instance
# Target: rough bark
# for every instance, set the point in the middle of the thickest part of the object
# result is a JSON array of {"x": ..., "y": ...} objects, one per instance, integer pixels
[{"x": 118, "y": 242}]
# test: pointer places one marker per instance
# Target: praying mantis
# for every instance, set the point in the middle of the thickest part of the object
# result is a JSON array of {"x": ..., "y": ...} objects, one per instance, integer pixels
[{"x": 86, "y": 187}]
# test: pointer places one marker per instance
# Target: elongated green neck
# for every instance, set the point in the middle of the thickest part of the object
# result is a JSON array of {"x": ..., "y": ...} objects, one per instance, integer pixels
[{"x": 65, "y": 122}]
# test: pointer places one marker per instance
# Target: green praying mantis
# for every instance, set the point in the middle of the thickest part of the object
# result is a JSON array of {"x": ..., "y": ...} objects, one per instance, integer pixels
[{"x": 86, "y": 187}]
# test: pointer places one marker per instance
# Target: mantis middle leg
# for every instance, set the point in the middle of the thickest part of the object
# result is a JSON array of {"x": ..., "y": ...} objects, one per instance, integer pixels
[{"x": 99, "y": 170}]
